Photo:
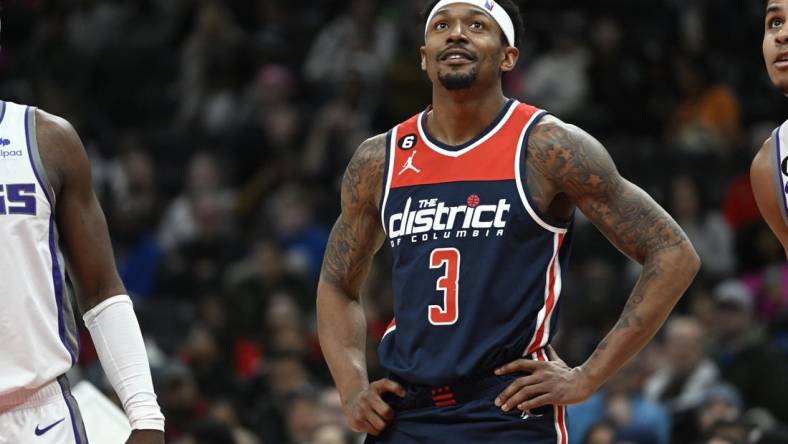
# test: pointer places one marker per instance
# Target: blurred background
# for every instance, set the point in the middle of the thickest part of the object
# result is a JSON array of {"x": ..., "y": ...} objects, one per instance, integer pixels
[{"x": 219, "y": 130}]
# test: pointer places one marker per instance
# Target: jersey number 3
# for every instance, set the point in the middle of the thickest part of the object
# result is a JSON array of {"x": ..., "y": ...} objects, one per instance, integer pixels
[{"x": 448, "y": 284}]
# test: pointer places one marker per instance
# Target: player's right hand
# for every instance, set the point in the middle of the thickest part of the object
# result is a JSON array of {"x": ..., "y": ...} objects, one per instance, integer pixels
[{"x": 367, "y": 412}]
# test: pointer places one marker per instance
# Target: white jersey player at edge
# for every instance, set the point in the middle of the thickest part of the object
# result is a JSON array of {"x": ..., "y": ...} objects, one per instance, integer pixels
[
  {"x": 50, "y": 217},
  {"x": 769, "y": 171}
]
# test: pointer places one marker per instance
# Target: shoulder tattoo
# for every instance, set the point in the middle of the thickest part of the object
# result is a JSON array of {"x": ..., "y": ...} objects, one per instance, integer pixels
[
  {"x": 357, "y": 233},
  {"x": 576, "y": 164}
]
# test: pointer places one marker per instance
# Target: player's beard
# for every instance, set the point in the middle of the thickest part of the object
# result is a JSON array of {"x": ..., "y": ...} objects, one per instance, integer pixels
[{"x": 455, "y": 81}]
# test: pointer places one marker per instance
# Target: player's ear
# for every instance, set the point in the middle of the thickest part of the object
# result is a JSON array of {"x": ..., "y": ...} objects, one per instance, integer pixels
[
  {"x": 510, "y": 56},
  {"x": 423, "y": 54}
]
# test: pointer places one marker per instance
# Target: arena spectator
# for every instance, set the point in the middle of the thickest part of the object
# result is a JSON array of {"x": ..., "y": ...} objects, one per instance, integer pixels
[{"x": 743, "y": 350}]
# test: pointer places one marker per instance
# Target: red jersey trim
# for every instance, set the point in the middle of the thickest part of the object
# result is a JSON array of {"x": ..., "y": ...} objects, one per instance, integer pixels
[
  {"x": 552, "y": 292},
  {"x": 559, "y": 411},
  {"x": 479, "y": 140},
  {"x": 491, "y": 157}
]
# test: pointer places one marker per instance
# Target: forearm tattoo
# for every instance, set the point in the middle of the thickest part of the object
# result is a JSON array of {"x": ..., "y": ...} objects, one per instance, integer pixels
[{"x": 570, "y": 161}]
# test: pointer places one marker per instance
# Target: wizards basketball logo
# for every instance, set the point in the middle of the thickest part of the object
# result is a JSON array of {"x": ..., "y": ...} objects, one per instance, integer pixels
[{"x": 433, "y": 219}]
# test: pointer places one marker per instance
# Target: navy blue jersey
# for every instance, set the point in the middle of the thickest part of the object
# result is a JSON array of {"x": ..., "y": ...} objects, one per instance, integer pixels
[{"x": 477, "y": 270}]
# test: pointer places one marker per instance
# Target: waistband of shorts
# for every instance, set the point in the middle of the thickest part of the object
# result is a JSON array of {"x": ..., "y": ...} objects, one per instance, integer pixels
[
  {"x": 29, "y": 398},
  {"x": 420, "y": 396}
]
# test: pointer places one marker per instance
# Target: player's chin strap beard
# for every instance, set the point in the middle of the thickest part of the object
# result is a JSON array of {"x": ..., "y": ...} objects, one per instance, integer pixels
[{"x": 458, "y": 81}]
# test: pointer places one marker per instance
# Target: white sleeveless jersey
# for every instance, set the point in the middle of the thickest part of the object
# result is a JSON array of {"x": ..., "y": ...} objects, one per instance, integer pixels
[
  {"x": 780, "y": 156},
  {"x": 38, "y": 339}
]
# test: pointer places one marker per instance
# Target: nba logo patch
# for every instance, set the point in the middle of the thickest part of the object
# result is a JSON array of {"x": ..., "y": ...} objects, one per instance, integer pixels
[{"x": 489, "y": 4}]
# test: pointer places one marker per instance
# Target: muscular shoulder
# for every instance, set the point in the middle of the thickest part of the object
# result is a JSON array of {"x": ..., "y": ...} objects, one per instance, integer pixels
[
  {"x": 362, "y": 183},
  {"x": 59, "y": 146},
  {"x": 762, "y": 173},
  {"x": 577, "y": 165},
  {"x": 56, "y": 134},
  {"x": 372, "y": 152},
  {"x": 569, "y": 159},
  {"x": 358, "y": 233},
  {"x": 762, "y": 163}
]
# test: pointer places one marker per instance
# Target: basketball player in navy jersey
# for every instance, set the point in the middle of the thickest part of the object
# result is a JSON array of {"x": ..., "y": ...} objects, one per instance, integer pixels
[
  {"x": 47, "y": 202},
  {"x": 475, "y": 197},
  {"x": 769, "y": 171}
]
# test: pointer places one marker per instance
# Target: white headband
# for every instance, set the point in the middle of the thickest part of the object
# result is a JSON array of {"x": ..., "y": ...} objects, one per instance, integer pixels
[{"x": 492, "y": 8}]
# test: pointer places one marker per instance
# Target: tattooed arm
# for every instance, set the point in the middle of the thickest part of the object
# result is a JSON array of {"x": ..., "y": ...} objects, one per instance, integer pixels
[
  {"x": 356, "y": 236},
  {"x": 567, "y": 167}
]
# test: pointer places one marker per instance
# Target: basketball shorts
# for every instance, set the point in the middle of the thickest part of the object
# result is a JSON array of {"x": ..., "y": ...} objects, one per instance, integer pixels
[
  {"x": 466, "y": 413},
  {"x": 47, "y": 416}
]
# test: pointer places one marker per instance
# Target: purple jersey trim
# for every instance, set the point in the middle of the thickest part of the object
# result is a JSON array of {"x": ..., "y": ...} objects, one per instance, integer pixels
[
  {"x": 57, "y": 276},
  {"x": 781, "y": 191},
  {"x": 66, "y": 391}
]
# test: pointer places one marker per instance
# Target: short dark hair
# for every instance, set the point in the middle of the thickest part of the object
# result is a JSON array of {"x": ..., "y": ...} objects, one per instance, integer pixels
[{"x": 509, "y": 6}]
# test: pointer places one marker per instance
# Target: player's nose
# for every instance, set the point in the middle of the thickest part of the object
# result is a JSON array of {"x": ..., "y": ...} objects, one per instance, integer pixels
[
  {"x": 456, "y": 32},
  {"x": 781, "y": 37}
]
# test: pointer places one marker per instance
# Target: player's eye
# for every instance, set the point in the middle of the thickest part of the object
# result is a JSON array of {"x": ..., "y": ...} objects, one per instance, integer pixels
[
  {"x": 775, "y": 23},
  {"x": 477, "y": 25},
  {"x": 441, "y": 25}
]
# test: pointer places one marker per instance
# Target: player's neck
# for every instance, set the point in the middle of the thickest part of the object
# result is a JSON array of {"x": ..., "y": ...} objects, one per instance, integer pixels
[{"x": 458, "y": 117}]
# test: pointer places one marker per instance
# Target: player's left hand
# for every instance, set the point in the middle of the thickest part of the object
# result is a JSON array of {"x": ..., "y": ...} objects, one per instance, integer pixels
[
  {"x": 546, "y": 382},
  {"x": 146, "y": 437}
]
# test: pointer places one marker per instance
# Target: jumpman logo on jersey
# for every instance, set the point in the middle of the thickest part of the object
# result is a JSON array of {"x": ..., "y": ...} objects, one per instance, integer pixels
[{"x": 409, "y": 165}]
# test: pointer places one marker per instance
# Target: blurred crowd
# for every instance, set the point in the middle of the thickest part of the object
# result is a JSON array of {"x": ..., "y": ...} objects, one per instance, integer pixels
[{"x": 218, "y": 132}]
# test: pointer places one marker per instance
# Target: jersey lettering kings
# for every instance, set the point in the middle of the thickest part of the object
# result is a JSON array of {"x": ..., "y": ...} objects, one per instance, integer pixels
[{"x": 33, "y": 292}]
